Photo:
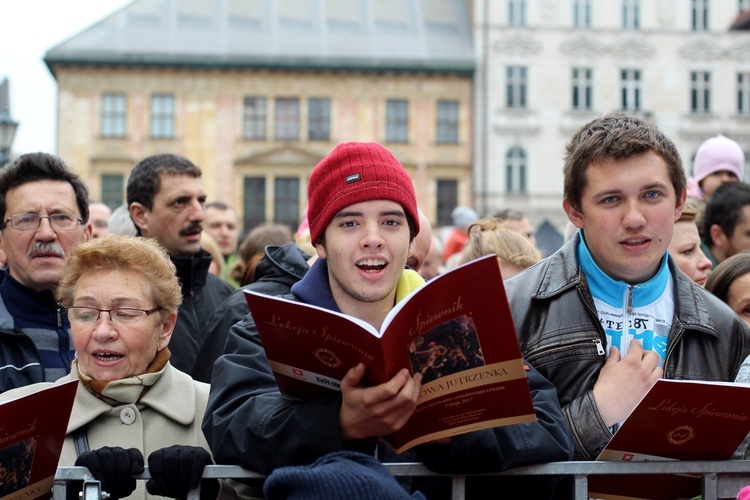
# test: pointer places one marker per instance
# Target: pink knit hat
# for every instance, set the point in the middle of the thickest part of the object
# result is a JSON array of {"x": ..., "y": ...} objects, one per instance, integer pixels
[
  {"x": 717, "y": 154},
  {"x": 355, "y": 172}
]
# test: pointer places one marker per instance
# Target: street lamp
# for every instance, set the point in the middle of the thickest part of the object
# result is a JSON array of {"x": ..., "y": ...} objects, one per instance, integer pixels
[{"x": 7, "y": 132}]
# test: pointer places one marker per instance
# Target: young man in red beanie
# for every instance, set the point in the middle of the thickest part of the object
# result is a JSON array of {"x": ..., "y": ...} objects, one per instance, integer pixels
[{"x": 363, "y": 217}]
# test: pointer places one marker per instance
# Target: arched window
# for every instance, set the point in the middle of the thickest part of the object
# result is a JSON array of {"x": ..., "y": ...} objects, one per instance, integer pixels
[{"x": 515, "y": 170}]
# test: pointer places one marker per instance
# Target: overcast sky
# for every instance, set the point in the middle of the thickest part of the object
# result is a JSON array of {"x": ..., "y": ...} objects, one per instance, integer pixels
[{"x": 29, "y": 29}]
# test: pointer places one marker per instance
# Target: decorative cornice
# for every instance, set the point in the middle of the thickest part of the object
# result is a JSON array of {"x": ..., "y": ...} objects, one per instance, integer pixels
[
  {"x": 583, "y": 45},
  {"x": 517, "y": 45},
  {"x": 702, "y": 48}
]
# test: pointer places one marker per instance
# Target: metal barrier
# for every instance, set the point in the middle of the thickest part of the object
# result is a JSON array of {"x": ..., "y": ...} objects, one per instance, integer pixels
[{"x": 721, "y": 479}]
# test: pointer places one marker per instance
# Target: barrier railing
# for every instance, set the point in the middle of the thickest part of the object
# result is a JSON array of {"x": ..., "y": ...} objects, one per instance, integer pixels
[{"x": 721, "y": 479}]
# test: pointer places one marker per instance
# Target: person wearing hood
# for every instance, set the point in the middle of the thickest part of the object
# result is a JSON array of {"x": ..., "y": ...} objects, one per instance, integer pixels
[{"x": 718, "y": 160}]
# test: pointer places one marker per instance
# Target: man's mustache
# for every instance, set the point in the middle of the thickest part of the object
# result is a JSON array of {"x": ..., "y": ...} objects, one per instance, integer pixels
[
  {"x": 46, "y": 248},
  {"x": 192, "y": 228}
]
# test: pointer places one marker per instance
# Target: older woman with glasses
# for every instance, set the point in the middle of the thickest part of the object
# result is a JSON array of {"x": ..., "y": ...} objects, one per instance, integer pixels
[{"x": 121, "y": 297}]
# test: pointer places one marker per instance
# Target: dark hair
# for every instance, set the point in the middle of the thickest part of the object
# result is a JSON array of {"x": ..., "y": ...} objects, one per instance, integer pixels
[
  {"x": 616, "y": 136},
  {"x": 724, "y": 209},
  {"x": 145, "y": 178},
  {"x": 33, "y": 167},
  {"x": 254, "y": 245},
  {"x": 728, "y": 270}
]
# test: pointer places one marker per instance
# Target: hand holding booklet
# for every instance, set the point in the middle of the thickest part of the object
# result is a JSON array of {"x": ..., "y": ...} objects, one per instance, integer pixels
[{"x": 456, "y": 331}]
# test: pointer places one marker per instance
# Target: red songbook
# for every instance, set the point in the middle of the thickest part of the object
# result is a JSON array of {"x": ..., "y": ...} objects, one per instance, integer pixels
[
  {"x": 675, "y": 420},
  {"x": 32, "y": 432},
  {"x": 456, "y": 330}
]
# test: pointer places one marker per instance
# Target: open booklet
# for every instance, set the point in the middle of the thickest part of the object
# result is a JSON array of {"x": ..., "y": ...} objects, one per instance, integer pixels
[
  {"x": 32, "y": 432},
  {"x": 456, "y": 331},
  {"x": 676, "y": 420}
]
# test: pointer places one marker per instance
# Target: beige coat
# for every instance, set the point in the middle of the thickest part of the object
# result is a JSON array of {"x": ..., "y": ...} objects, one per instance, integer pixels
[{"x": 170, "y": 413}]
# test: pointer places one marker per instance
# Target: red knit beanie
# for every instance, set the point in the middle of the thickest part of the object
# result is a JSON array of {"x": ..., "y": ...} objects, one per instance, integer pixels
[{"x": 355, "y": 172}]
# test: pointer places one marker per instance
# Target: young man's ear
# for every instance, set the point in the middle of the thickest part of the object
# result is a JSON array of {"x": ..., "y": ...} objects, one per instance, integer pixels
[
  {"x": 574, "y": 215},
  {"x": 681, "y": 200},
  {"x": 321, "y": 249}
]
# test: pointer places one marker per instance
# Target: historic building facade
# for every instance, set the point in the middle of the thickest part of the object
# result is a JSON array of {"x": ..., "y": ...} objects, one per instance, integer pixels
[
  {"x": 256, "y": 93},
  {"x": 546, "y": 67}
]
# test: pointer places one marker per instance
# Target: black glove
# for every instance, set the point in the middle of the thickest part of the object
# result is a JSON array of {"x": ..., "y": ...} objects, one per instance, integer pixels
[
  {"x": 114, "y": 467},
  {"x": 175, "y": 470}
]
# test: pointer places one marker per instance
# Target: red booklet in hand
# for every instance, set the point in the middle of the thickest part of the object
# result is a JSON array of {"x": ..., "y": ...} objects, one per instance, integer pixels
[
  {"x": 456, "y": 331},
  {"x": 676, "y": 420},
  {"x": 32, "y": 432}
]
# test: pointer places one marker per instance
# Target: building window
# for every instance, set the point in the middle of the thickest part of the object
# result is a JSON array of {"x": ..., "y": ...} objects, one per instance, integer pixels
[
  {"x": 254, "y": 118},
  {"x": 582, "y": 88},
  {"x": 515, "y": 171},
  {"x": 700, "y": 15},
  {"x": 581, "y": 13},
  {"x": 631, "y": 14},
  {"x": 517, "y": 12},
  {"x": 700, "y": 92},
  {"x": 287, "y": 118},
  {"x": 447, "y": 122},
  {"x": 447, "y": 200},
  {"x": 630, "y": 90},
  {"x": 515, "y": 93},
  {"x": 319, "y": 119},
  {"x": 743, "y": 93},
  {"x": 254, "y": 202},
  {"x": 286, "y": 202},
  {"x": 113, "y": 115},
  {"x": 162, "y": 116},
  {"x": 113, "y": 187},
  {"x": 397, "y": 120}
]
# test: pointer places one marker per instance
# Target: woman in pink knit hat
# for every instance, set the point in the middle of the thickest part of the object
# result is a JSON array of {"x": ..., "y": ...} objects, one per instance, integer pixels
[{"x": 718, "y": 160}]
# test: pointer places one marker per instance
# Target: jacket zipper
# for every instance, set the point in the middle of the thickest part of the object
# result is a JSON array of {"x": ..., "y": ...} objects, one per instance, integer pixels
[{"x": 597, "y": 343}]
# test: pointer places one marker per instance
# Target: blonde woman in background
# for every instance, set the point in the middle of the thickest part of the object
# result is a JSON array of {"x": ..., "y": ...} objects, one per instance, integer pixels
[
  {"x": 514, "y": 251},
  {"x": 685, "y": 247},
  {"x": 217, "y": 258}
]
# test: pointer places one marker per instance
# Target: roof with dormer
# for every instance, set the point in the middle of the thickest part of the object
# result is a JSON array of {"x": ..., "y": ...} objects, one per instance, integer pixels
[{"x": 432, "y": 35}]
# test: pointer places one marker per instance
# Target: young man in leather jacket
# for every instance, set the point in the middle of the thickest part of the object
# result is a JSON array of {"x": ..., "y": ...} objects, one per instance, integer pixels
[{"x": 610, "y": 313}]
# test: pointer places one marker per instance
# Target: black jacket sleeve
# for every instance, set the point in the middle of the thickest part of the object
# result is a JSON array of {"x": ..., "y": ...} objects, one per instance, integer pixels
[{"x": 249, "y": 423}]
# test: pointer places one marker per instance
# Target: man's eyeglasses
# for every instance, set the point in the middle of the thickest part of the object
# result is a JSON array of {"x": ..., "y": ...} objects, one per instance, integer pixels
[
  {"x": 84, "y": 315},
  {"x": 58, "y": 222}
]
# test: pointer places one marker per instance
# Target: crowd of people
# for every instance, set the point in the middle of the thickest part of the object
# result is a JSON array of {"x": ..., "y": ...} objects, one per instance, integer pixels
[{"x": 652, "y": 282}]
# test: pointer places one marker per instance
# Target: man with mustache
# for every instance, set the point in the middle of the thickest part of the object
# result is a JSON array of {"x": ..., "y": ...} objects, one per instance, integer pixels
[
  {"x": 44, "y": 207},
  {"x": 166, "y": 201}
]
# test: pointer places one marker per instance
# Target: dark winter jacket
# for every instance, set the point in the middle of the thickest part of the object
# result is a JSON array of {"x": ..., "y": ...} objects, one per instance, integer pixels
[
  {"x": 280, "y": 268},
  {"x": 202, "y": 294},
  {"x": 249, "y": 423},
  {"x": 21, "y": 361}
]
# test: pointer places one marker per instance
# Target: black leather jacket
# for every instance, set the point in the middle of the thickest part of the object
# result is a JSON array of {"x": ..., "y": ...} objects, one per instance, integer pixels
[{"x": 560, "y": 335}]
